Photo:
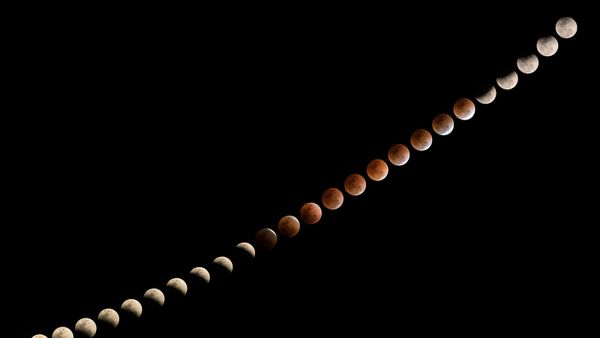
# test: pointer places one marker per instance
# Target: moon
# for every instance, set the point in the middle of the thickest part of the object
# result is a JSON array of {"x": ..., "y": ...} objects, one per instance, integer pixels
[
  {"x": 179, "y": 285},
  {"x": 266, "y": 239},
  {"x": 398, "y": 154},
  {"x": 355, "y": 184},
  {"x": 421, "y": 139},
  {"x": 442, "y": 124},
  {"x": 332, "y": 198},
  {"x": 86, "y": 327},
  {"x": 508, "y": 81},
  {"x": 488, "y": 97},
  {"x": 547, "y": 46},
  {"x": 62, "y": 332},
  {"x": 201, "y": 273},
  {"x": 247, "y": 248},
  {"x": 528, "y": 64},
  {"x": 464, "y": 109},
  {"x": 156, "y": 296},
  {"x": 224, "y": 263},
  {"x": 288, "y": 226},
  {"x": 377, "y": 170},
  {"x": 133, "y": 307},
  {"x": 566, "y": 27},
  {"x": 109, "y": 316},
  {"x": 39, "y": 336},
  {"x": 311, "y": 213}
]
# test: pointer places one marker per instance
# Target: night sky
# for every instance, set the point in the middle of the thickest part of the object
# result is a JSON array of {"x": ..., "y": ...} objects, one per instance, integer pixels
[{"x": 139, "y": 151}]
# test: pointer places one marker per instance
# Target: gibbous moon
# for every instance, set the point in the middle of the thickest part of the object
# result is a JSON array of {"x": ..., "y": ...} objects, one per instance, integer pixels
[
  {"x": 311, "y": 213},
  {"x": 377, "y": 170},
  {"x": 266, "y": 239},
  {"x": 109, "y": 316},
  {"x": 464, "y": 109},
  {"x": 62, "y": 332},
  {"x": 566, "y": 27},
  {"x": 487, "y": 97},
  {"x": 39, "y": 336},
  {"x": 528, "y": 64},
  {"x": 442, "y": 124},
  {"x": 398, "y": 154},
  {"x": 421, "y": 139},
  {"x": 355, "y": 184},
  {"x": 156, "y": 296},
  {"x": 225, "y": 263},
  {"x": 132, "y": 306},
  {"x": 508, "y": 81},
  {"x": 201, "y": 273},
  {"x": 332, "y": 198},
  {"x": 86, "y": 327},
  {"x": 247, "y": 248},
  {"x": 547, "y": 46},
  {"x": 288, "y": 226},
  {"x": 179, "y": 285}
]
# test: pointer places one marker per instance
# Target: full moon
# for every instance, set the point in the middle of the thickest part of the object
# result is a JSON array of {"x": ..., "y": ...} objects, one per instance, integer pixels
[
  {"x": 62, "y": 332},
  {"x": 355, "y": 184},
  {"x": 266, "y": 239},
  {"x": 179, "y": 285},
  {"x": 288, "y": 226},
  {"x": 332, "y": 198},
  {"x": 224, "y": 262},
  {"x": 528, "y": 64},
  {"x": 398, "y": 154},
  {"x": 566, "y": 27},
  {"x": 132, "y": 306},
  {"x": 547, "y": 46},
  {"x": 86, "y": 327},
  {"x": 201, "y": 273},
  {"x": 310, "y": 213},
  {"x": 156, "y": 296},
  {"x": 109, "y": 316},
  {"x": 421, "y": 139},
  {"x": 508, "y": 81},
  {"x": 247, "y": 248},
  {"x": 377, "y": 170},
  {"x": 442, "y": 124},
  {"x": 464, "y": 109},
  {"x": 488, "y": 97}
]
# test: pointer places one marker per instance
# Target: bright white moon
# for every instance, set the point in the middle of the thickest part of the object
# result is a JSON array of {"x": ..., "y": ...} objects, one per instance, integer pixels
[
  {"x": 566, "y": 27},
  {"x": 508, "y": 81},
  {"x": 528, "y": 64},
  {"x": 547, "y": 46}
]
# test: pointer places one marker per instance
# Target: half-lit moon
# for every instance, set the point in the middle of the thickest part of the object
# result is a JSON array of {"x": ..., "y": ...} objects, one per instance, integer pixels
[
  {"x": 288, "y": 226},
  {"x": 547, "y": 45},
  {"x": 355, "y": 184},
  {"x": 332, "y": 198},
  {"x": 399, "y": 154},
  {"x": 266, "y": 239},
  {"x": 442, "y": 124},
  {"x": 377, "y": 170},
  {"x": 109, "y": 316},
  {"x": 224, "y": 263},
  {"x": 488, "y": 97},
  {"x": 508, "y": 81},
  {"x": 133, "y": 307},
  {"x": 421, "y": 139},
  {"x": 201, "y": 273},
  {"x": 528, "y": 64},
  {"x": 62, "y": 332},
  {"x": 310, "y": 213},
  {"x": 566, "y": 27},
  {"x": 86, "y": 327},
  {"x": 156, "y": 296},
  {"x": 464, "y": 109},
  {"x": 178, "y": 284}
]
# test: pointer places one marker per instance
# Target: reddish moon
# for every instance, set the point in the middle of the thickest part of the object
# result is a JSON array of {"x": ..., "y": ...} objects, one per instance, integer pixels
[
  {"x": 310, "y": 213},
  {"x": 288, "y": 226},
  {"x": 421, "y": 139},
  {"x": 355, "y": 184},
  {"x": 464, "y": 109},
  {"x": 266, "y": 239},
  {"x": 377, "y": 170},
  {"x": 332, "y": 198},
  {"x": 398, "y": 154},
  {"x": 442, "y": 124}
]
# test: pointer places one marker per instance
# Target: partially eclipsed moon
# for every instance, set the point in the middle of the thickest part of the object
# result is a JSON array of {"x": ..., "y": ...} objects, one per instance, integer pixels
[
  {"x": 224, "y": 263},
  {"x": 178, "y": 284},
  {"x": 247, "y": 248},
  {"x": 442, "y": 124},
  {"x": 132, "y": 306},
  {"x": 39, "y": 336},
  {"x": 464, "y": 109},
  {"x": 566, "y": 27},
  {"x": 399, "y": 154},
  {"x": 488, "y": 97},
  {"x": 508, "y": 81},
  {"x": 547, "y": 46},
  {"x": 377, "y": 170},
  {"x": 109, "y": 316},
  {"x": 311, "y": 213},
  {"x": 528, "y": 64},
  {"x": 62, "y": 332},
  {"x": 355, "y": 184},
  {"x": 332, "y": 198},
  {"x": 421, "y": 139},
  {"x": 201, "y": 273},
  {"x": 86, "y": 327},
  {"x": 266, "y": 239},
  {"x": 288, "y": 226},
  {"x": 156, "y": 296}
]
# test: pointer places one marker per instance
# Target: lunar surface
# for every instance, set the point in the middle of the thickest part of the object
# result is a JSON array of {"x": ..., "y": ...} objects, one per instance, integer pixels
[
  {"x": 86, "y": 327},
  {"x": 464, "y": 109},
  {"x": 247, "y": 248},
  {"x": 355, "y": 184},
  {"x": 156, "y": 296},
  {"x": 421, "y": 139},
  {"x": 132, "y": 306},
  {"x": 201, "y": 273},
  {"x": 547, "y": 46},
  {"x": 310, "y": 213},
  {"x": 377, "y": 170},
  {"x": 288, "y": 226},
  {"x": 508, "y": 81},
  {"x": 178, "y": 284},
  {"x": 399, "y": 154},
  {"x": 566, "y": 27},
  {"x": 266, "y": 239},
  {"x": 442, "y": 124},
  {"x": 62, "y": 332},
  {"x": 488, "y": 97},
  {"x": 109, "y": 316},
  {"x": 39, "y": 336},
  {"x": 528, "y": 64},
  {"x": 332, "y": 198},
  {"x": 224, "y": 262}
]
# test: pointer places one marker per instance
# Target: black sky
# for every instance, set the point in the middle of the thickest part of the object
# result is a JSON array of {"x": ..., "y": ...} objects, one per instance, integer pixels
[{"x": 138, "y": 151}]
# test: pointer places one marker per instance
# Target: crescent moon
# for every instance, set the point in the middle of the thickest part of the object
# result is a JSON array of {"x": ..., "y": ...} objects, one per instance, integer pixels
[
  {"x": 488, "y": 97},
  {"x": 566, "y": 27},
  {"x": 225, "y": 263},
  {"x": 201, "y": 273},
  {"x": 86, "y": 327},
  {"x": 62, "y": 332},
  {"x": 179, "y": 285},
  {"x": 133, "y": 307},
  {"x": 109, "y": 316},
  {"x": 508, "y": 81},
  {"x": 156, "y": 296},
  {"x": 547, "y": 46},
  {"x": 528, "y": 64}
]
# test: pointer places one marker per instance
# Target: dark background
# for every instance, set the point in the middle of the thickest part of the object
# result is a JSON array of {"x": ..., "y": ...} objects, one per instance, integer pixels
[{"x": 140, "y": 146}]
